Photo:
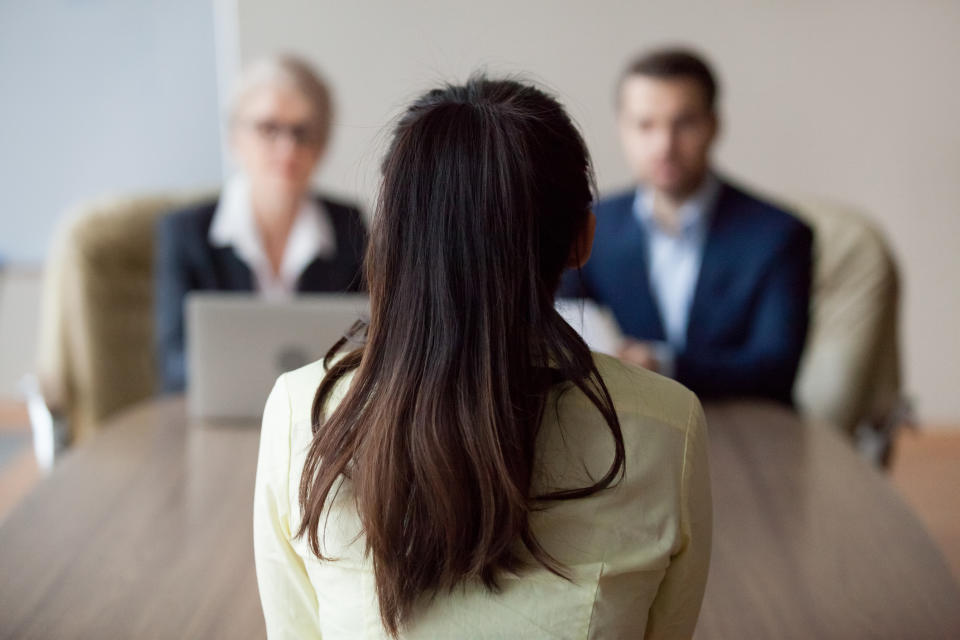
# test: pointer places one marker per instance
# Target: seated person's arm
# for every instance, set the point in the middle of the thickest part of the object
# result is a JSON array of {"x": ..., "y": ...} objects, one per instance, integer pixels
[
  {"x": 767, "y": 364},
  {"x": 171, "y": 284}
]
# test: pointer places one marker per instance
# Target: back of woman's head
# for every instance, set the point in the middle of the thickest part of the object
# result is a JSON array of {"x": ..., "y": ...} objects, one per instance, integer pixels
[
  {"x": 489, "y": 183},
  {"x": 486, "y": 189}
]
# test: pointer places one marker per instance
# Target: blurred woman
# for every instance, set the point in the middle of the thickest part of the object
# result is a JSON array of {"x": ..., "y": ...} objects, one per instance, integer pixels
[
  {"x": 266, "y": 232},
  {"x": 472, "y": 470}
]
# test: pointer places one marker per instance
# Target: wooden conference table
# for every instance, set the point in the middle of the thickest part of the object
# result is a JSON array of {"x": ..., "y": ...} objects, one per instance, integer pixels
[{"x": 145, "y": 532}]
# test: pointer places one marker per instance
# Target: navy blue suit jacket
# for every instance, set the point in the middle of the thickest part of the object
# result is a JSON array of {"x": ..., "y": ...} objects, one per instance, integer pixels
[
  {"x": 748, "y": 319},
  {"x": 184, "y": 260}
]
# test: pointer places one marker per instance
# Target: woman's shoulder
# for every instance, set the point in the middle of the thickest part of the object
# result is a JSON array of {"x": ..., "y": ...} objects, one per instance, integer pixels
[
  {"x": 641, "y": 397},
  {"x": 636, "y": 392},
  {"x": 643, "y": 394},
  {"x": 197, "y": 214},
  {"x": 658, "y": 417},
  {"x": 184, "y": 232},
  {"x": 187, "y": 225},
  {"x": 301, "y": 386}
]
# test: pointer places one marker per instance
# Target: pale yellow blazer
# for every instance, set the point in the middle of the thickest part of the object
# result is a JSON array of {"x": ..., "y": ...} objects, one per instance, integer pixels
[{"x": 638, "y": 553}]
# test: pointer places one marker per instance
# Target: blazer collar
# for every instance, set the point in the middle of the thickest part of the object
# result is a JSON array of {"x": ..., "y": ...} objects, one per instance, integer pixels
[
  {"x": 712, "y": 202},
  {"x": 312, "y": 236},
  {"x": 717, "y": 264}
]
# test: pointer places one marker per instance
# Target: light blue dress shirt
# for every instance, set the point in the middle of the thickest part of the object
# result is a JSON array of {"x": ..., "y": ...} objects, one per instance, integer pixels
[{"x": 673, "y": 262}]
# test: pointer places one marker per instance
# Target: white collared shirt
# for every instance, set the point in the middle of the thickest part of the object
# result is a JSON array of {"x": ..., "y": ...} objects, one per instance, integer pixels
[
  {"x": 673, "y": 261},
  {"x": 311, "y": 236}
]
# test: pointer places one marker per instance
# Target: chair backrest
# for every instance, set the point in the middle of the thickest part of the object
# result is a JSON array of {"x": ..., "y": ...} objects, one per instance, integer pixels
[
  {"x": 96, "y": 337},
  {"x": 850, "y": 372}
]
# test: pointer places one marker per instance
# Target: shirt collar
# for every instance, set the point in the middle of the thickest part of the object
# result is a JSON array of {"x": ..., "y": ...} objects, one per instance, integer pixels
[
  {"x": 311, "y": 236},
  {"x": 693, "y": 213}
]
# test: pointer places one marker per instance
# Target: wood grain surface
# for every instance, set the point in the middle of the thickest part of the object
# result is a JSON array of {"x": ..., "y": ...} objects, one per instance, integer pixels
[
  {"x": 145, "y": 532},
  {"x": 810, "y": 541}
]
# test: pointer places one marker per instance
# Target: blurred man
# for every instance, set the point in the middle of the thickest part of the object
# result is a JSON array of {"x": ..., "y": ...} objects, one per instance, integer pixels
[{"x": 708, "y": 283}]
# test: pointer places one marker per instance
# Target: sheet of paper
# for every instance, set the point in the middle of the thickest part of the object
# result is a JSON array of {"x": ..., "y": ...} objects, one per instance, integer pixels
[{"x": 595, "y": 324}]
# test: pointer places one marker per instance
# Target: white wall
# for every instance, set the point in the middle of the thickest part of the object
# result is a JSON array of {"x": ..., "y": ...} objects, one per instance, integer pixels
[
  {"x": 20, "y": 291},
  {"x": 101, "y": 96},
  {"x": 856, "y": 101}
]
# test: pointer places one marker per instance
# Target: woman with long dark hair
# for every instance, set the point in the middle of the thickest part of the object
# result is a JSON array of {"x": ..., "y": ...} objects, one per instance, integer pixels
[{"x": 462, "y": 466}]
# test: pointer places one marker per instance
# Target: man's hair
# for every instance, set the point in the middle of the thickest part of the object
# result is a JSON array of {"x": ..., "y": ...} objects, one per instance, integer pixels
[{"x": 671, "y": 64}]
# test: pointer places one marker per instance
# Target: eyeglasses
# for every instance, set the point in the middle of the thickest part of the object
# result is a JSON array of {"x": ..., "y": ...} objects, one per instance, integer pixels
[{"x": 303, "y": 135}]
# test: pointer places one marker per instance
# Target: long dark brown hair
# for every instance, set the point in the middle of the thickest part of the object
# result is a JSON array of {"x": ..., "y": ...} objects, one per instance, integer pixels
[{"x": 486, "y": 188}]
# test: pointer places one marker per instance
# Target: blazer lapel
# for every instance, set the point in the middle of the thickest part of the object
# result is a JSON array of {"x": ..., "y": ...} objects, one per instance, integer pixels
[
  {"x": 320, "y": 275},
  {"x": 233, "y": 274},
  {"x": 338, "y": 272},
  {"x": 636, "y": 309},
  {"x": 714, "y": 266}
]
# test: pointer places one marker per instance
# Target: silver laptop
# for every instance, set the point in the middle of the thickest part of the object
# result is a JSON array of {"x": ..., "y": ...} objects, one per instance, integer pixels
[{"x": 237, "y": 345}]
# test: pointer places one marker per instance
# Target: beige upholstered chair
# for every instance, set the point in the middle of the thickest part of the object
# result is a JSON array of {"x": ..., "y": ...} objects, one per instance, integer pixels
[
  {"x": 96, "y": 335},
  {"x": 850, "y": 372}
]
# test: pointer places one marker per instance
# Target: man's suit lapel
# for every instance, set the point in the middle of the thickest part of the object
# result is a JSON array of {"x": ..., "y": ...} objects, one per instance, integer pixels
[
  {"x": 715, "y": 262},
  {"x": 638, "y": 313}
]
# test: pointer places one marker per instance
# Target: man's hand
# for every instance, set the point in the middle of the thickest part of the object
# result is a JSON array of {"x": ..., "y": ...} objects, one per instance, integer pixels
[{"x": 641, "y": 353}]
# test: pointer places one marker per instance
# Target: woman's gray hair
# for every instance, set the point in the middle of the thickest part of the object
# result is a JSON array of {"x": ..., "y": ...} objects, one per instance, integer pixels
[{"x": 292, "y": 71}]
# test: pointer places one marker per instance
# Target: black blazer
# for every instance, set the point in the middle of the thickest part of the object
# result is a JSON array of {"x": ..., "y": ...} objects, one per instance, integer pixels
[
  {"x": 749, "y": 315},
  {"x": 184, "y": 260}
]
